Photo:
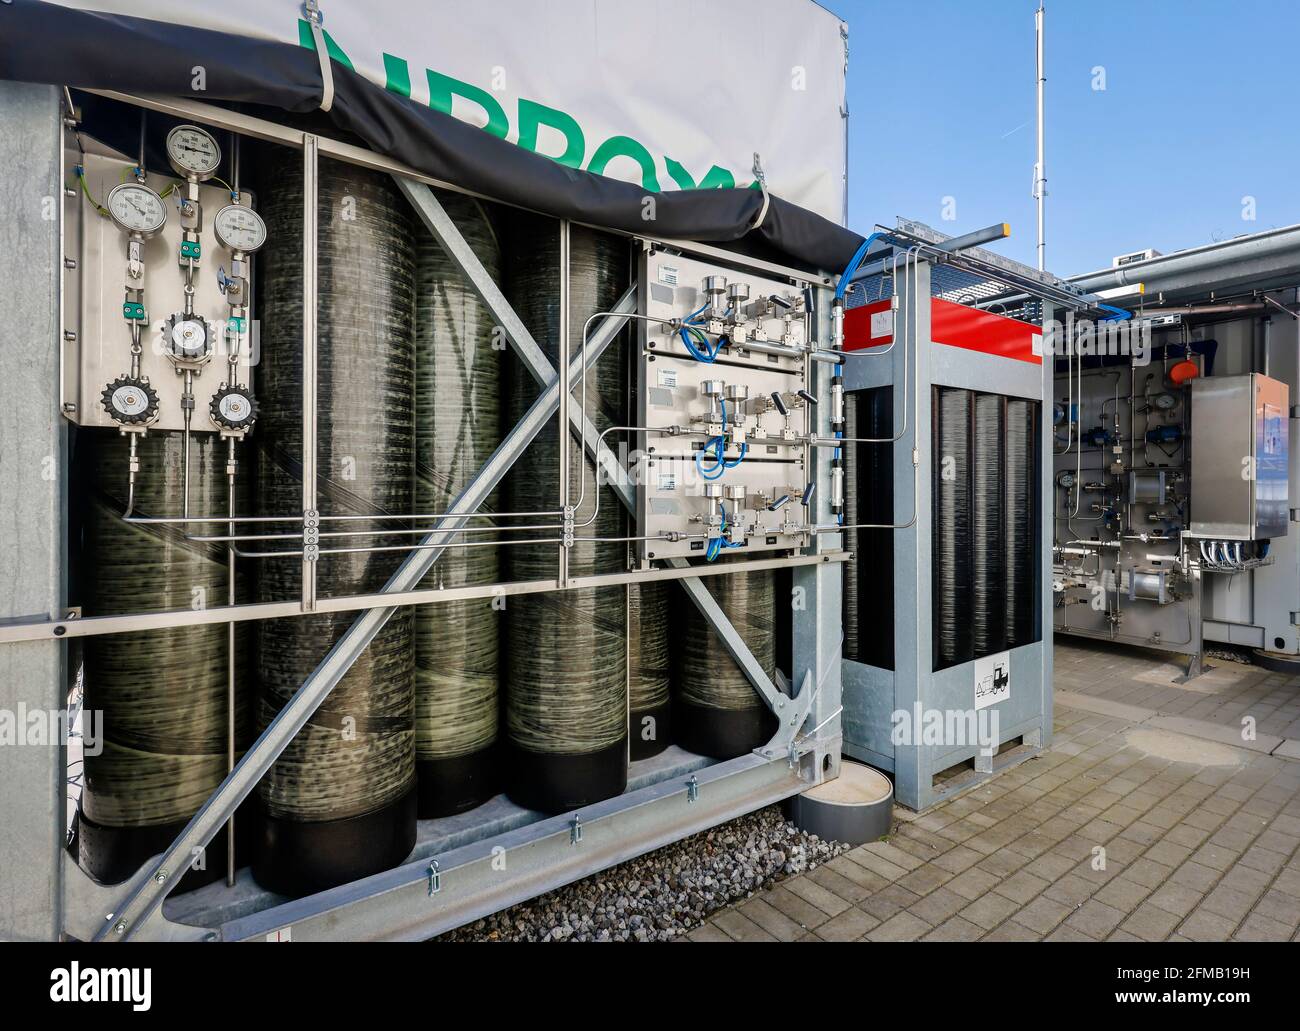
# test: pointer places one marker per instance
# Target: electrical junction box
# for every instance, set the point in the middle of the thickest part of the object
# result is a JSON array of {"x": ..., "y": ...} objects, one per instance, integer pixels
[
  {"x": 1240, "y": 458},
  {"x": 723, "y": 452}
]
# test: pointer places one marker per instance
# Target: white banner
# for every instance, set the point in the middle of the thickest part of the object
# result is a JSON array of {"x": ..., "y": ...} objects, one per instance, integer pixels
[{"x": 671, "y": 94}]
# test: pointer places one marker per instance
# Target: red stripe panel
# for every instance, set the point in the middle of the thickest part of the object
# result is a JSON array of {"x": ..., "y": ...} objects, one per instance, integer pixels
[{"x": 953, "y": 324}]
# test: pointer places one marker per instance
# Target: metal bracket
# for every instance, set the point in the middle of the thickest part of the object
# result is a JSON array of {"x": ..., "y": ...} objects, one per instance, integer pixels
[
  {"x": 311, "y": 535},
  {"x": 692, "y": 789},
  {"x": 435, "y": 878},
  {"x": 575, "y": 831}
]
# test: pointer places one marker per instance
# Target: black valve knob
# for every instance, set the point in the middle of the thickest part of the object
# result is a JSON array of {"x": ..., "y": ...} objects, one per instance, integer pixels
[{"x": 779, "y": 402}]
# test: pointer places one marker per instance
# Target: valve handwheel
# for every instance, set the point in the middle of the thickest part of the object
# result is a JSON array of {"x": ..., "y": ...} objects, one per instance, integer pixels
[
  {"x": 235, "y": 408},
  {"x": 130, "y": 400}
]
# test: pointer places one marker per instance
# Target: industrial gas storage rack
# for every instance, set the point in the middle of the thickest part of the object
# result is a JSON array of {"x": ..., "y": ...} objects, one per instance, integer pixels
[{"x": 348, "y": 616}]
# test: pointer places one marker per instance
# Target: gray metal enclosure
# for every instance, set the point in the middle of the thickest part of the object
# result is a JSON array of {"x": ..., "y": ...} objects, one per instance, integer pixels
[
  {"x": 887, "y": 705},
  {"x": 456, "y": 871}
]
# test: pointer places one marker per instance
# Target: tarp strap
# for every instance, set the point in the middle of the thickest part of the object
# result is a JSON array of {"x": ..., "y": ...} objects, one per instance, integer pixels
[
  {"x": 761, "y": 178},
  {"x": 311, "y": 8}
]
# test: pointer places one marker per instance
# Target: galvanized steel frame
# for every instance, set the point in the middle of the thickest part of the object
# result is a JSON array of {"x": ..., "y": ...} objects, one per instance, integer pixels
[{"x": 135, "y": 910}]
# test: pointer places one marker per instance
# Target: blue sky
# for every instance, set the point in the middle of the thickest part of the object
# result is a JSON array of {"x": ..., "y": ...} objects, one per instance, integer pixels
[{"x": 1198, "y": 112}]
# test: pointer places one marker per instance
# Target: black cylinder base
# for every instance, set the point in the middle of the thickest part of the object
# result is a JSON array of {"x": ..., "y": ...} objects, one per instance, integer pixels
[
  {"x": 112, "y": 854},
  {"x": 450, "y": 786},
  {"x": 294, "y": 858},
  {"x": 554, "y": 783},
  {"x": 638, "y": 728},
  {"x": 721, "y": 733}
]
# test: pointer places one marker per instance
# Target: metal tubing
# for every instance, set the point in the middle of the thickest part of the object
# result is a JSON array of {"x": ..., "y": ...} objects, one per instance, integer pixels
[
  {"x": 231, "y": 600},
  {"x": 310, "y": 148},
  {"x": 1040, "y": 167},
  {"x": 562, "y": 437},
  {"x": 95, "y": 626}
]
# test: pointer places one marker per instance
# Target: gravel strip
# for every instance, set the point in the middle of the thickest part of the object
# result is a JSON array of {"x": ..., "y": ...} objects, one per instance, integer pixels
[{"x": 662, "y": 895}]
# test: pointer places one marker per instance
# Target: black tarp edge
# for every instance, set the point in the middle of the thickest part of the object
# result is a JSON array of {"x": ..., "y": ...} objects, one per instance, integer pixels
[{"x": 46, "y": 43}]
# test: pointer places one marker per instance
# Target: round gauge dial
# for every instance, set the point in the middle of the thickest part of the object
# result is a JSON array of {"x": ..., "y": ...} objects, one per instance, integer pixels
[
  {"x": 189, "y": 338},
  {"x": 240, "y": 228},
  {"x": 137, "y": 209},
  {"x": 193, "y": 152},
  {"x": 1065, "y": 480},
  {"x": 1165, "y": 401}
]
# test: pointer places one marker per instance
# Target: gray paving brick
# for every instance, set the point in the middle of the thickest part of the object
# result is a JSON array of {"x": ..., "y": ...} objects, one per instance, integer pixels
[
  {"x": 771, "y": 919},
  {"x": 814, "y": 894},
  {"x": 846, "y": 867},
  {"x": 989, "y": 910},
  {"x": 1176, "y": 898},
  {"x": 938, "y": 906},
  {"x": 924, "y": 879},
  {"x": 892, "y": 854},
  {"x": 850, "y": 925},
  {"x": 972, "y": 883},
  {"x": 1095, "y": 919},
  {"x": 958, "y": 859},
  {"x": 1043, "y": 914},
  {"x": 889, "y": 901},
  {"x": 1022, "y": 886},
  {"x": 876, "y": 863},
  {"x": 1011, "y": 931},
  {"x": 1195, "y": 876},
  {"x": 837, "y": 884},
  {"x": 955, "y": 929},
  {"x": 740, "y": 927},
  {"x": 1123, "y": 893},
  {"x": 1151, "y": 923},
  {"x": 898, "y": 928},
  {"x": 709, "y": 932},
  {"x": 1205, "y": 926},
  {"x": 1066, "y": 933},
  {"x": 1071, "y": 890},
  {"x": 796, "y": 908},
  {"x": 1260, "y": 928}
]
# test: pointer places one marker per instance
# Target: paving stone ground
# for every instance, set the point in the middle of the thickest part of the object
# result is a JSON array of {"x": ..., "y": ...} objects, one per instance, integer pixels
[{"x": 1149, "y": 818}]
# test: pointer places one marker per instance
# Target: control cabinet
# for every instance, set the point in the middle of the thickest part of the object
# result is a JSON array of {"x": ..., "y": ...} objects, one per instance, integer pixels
[
  {"x": 723, "y": 410},
  {"x": 1240, "y": 466}
]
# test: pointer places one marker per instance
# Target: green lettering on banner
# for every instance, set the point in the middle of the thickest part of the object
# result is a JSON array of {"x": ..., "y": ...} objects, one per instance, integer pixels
[
  {"x": 625, "y": 146},
  {"x": 306, "y": 39},
  {"x": 443, "y": 87},
  {"x": 397, "y": 76},
  {"x": 714, "y": 179},
  {"x": 533, "y": 115}
]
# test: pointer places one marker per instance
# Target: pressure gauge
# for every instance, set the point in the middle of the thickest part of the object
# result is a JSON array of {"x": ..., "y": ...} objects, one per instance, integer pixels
[
  {"x": 193, "y": 152},
  {"x": 240, "y": 228},
  {"x": 137, "y": 209},
  {"x": 1065, "y": 480},
  {"x": 1164, "y": 401}
]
